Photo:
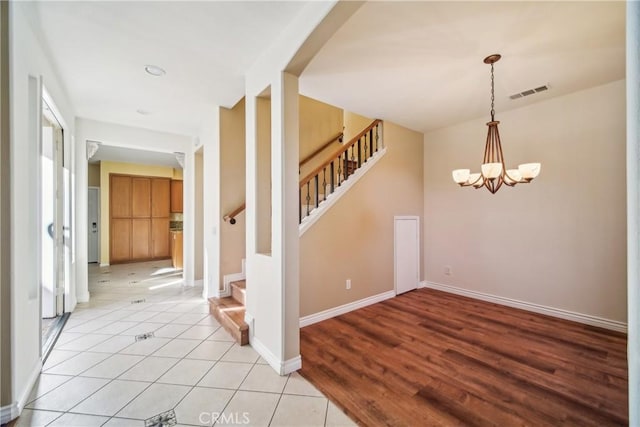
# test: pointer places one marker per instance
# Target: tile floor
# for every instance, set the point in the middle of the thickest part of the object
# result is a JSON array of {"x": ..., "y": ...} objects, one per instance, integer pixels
[{"x": 99, "y": 375}]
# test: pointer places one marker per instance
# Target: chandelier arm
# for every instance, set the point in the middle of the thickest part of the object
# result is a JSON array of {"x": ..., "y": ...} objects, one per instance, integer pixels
[
  {"x": 513, "y": 181},
  {"x": 493, "y": 164}
]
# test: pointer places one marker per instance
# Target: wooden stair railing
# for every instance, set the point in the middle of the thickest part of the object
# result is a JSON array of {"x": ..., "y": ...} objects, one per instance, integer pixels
[
  {"x": 340, "y": 167},
  {"x": 231, "y": 216},
  {"x": 367, "y": 143},
  {"x": 307, "y": 159}
]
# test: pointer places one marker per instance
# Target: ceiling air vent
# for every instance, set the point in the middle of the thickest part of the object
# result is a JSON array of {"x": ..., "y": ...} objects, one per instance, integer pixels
[{"x": 529, "y": 92}]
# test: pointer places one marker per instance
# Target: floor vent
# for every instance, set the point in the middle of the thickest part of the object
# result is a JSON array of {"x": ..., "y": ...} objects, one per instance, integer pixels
[
  {"x": 529, "y": 92},
  {"x": 103, "y": 281},
  {"x": 164, "y": 419},
  {"x": 137, "y": 301},
  {"x": 143, "y": 337}
]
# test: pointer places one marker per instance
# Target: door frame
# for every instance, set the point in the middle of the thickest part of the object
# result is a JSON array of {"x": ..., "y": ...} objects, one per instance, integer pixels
[{"x": 397, "y": 218}]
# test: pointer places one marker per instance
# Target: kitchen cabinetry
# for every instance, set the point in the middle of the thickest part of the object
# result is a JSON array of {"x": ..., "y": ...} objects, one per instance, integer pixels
[
  {"x": 176, "y": 249},
  {"x": 139, "y": 218},
  {"x": 176, "y": 196}
]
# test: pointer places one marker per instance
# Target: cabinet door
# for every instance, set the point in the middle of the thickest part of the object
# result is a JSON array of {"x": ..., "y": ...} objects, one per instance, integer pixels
[
  {"x": 160, "y": 194},
  {"x": 141, "y": 239},
  {"x": 160, "y": 247},
  {"x": 176, "y": 196},
  {"x": 120, "y": 240},
  {"x": 141, "y": 197},
  {"x": 120, "y": 189}
]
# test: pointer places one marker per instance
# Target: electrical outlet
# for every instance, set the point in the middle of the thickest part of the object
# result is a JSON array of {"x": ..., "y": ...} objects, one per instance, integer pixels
[
  {"x": 447, "y": 270},
  {"x": 348, "y": 283}
]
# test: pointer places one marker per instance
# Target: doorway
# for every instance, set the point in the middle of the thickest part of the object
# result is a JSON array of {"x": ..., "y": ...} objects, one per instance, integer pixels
[{"x": 406, "y": 253}]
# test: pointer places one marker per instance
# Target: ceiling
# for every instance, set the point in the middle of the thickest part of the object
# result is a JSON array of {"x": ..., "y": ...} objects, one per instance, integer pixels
[
  {"x": 100, "y": 49},
  {"x": 129, "y": 155},
  {"x": 418, "y": 64}
]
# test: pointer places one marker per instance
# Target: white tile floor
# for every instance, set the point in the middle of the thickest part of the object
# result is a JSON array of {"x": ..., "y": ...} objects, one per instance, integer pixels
[{"x": 99, "y": 375}]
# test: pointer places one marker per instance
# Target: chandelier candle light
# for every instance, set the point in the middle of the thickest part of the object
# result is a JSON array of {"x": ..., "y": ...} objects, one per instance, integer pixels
[{"x": 493, "y": 172}]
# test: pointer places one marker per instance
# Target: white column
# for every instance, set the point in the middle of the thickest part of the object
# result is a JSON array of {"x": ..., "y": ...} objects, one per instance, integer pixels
[
  {"x": 285, "y": 157},
  {"x": 633, "y": 208},
  {"x": 189, "y": 217},
  {"x": 80, "y": 211},
  {"x": 210, "y": 138}
]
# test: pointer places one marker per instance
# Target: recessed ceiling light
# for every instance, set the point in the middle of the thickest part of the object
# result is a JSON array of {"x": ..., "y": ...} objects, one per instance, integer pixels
[
  {"x": 154, "y": 70},
  {"x": 143, "y": 112}
]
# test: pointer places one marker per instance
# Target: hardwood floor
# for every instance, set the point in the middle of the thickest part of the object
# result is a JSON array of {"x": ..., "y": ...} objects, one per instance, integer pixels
[{"x": 432, "y": 358}]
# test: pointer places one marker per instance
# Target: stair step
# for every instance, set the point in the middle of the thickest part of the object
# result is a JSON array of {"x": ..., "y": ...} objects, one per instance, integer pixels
[
  {"x": 239, "y": 291},
  {"x": 230, "y": 314}
]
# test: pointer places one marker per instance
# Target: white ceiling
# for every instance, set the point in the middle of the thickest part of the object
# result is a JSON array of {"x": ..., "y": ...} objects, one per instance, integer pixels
[
  {"x": 419, "y": 64},
  {"x": 130, "y": 155},
  {"x": 100, "y": 49}
]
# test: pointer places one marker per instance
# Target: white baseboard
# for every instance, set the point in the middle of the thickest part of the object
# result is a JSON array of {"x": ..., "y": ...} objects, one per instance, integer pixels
[
  {"x": 26, "y": 392},
  {"x": 282, "y": 367},
  {"x": 345, "y": 308},
  {"x": 8, "y": 413},
  {"x": 587, "y": 319},
  {"x": 228, "y": 278},
  {"x": 104, "y": 265},
  {"x": 84, "y": 297},
  {"x": 291, "y": 365},
  {"x": 333, "y": 198}
]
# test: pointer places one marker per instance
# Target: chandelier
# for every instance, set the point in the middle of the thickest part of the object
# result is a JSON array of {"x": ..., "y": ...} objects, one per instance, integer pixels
[{"x": 493, "y": 172}]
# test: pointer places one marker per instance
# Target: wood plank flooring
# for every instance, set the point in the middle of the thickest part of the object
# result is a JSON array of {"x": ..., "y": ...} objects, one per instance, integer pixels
[{"x": 429, "y": 358}]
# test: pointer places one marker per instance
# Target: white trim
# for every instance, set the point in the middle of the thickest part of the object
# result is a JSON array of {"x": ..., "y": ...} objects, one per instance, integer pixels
[
  {"x": 345, "y": 308},
  {"x": 234, "y": 277},
  {"x": 226, "y": 283},
  {"x": 8, "y": 413},
  {"x": 282, "y": 367},
  {"x": 291, "y": 365},
  {"x": 333, "y": 198},
  {"x": 84, "y": 297},
  {"x": 587, "y": 319},
  {"x": 33, "y": 377},
  {"x": 106, "y": 264}
]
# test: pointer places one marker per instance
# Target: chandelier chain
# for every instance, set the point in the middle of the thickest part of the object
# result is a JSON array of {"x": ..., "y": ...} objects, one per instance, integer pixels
[{"x": 493, "y": 111}]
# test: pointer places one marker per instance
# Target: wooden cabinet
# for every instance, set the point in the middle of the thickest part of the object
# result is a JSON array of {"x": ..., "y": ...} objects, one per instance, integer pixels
[
  {"x": 160, "y": 238},
  {"x": 139, "y": 218},
  {"x": 120, "y": 195},
  {"x": 176, "y": 196},
  {"x": 140, "y": 238},
  {"x": 120, "y": 240},
  {"x": 176, "y": 249},
  {"x": 160, "y": 195},
  {"x": 140, "y": 197}
]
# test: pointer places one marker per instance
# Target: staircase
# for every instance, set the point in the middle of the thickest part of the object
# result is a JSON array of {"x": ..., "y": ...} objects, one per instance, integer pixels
[{"x": 229, "y": 312}]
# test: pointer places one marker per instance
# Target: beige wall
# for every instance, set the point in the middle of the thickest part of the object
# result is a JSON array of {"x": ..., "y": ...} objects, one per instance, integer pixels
[
  {"x": 93, "y": 174},
  {"x": 354, "y": 239},
  {"x": 559, "y": 241},
  {"x": 354, "y": 124},
  {"x": 107, "y": 168},
  {"x": 319, "y": 122},
  {"x": 232, "y": 187}
]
